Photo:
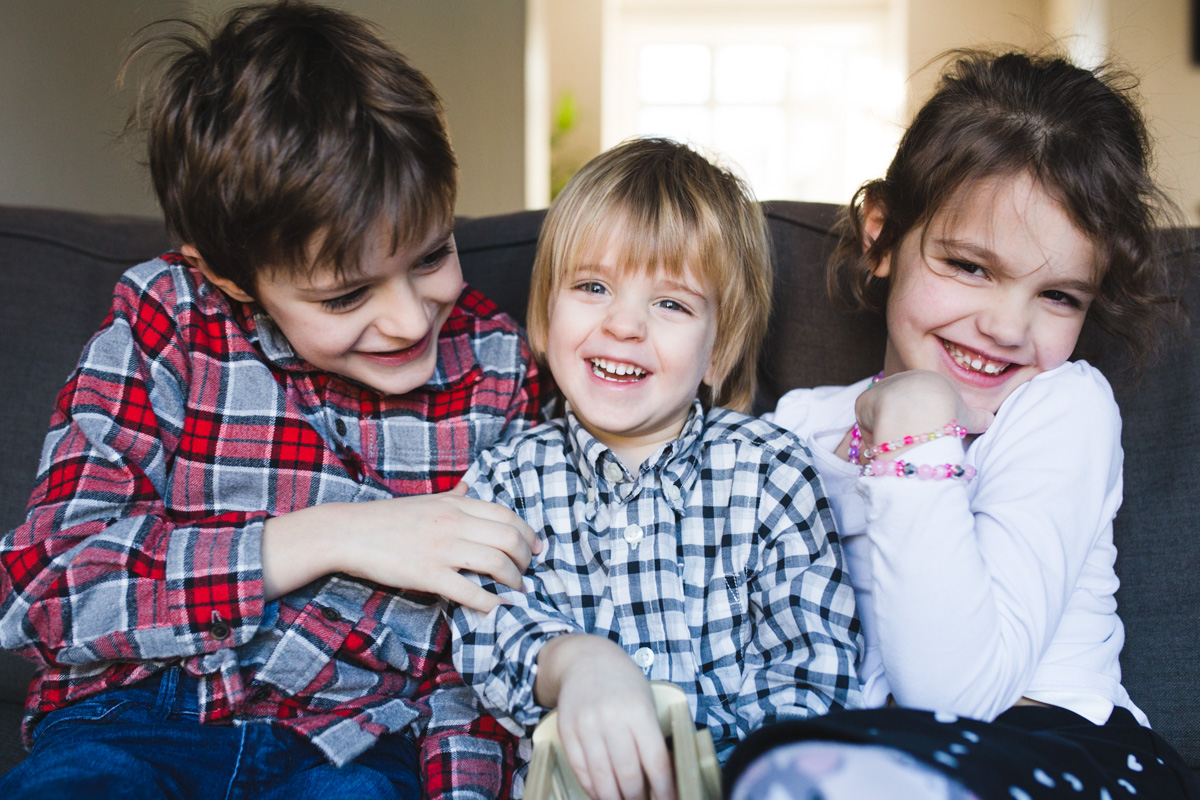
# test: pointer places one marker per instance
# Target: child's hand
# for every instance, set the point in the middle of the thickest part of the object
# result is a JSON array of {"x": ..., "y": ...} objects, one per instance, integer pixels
[
  {"x": 420, "y": 543},
  {"x": 606, "y": 718},
  {"x": 914, "y": 402}
]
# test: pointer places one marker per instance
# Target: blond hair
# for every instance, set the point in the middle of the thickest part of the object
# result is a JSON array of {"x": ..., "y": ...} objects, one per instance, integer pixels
[{"x": 677, "y": 211}]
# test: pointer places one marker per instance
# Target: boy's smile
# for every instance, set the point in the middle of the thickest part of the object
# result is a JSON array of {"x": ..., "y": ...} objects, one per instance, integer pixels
[
  {"x": 629, "y": 351},
  {"x": 377, "y": 325},
  {"x": 991, "y": 293}
]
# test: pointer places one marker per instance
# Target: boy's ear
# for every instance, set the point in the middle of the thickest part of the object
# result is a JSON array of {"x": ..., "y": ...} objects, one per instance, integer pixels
[
  {"x": 873, "y": 218},
  {"x": 193, "y": 257}
]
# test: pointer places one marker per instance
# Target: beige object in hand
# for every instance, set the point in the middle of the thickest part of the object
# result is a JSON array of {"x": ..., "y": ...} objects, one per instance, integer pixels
[{"x": 697, "y": 773}]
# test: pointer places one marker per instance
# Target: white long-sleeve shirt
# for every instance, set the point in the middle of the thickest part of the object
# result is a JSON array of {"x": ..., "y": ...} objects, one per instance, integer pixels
[{"x": 975, "y": 595}]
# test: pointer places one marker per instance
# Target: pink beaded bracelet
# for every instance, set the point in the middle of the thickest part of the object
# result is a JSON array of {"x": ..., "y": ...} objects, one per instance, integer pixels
[
  {"x": 951, "y": 428},
  {"x": 905, "y": 469}
]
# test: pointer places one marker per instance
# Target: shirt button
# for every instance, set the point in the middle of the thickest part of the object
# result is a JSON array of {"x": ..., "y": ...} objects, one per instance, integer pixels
[
  {"x": 644, "y": 657},
  {"x": 340, "y": 427},
  {"x": 260, "y": 694},
  {"x": 330, "y": 613},
  {"x": 592, "y": 494},
  {"x": 633, "y": 535},
  {"x": 672, "y": 493},
  {"x": 613, "y": 471},
  {"x": 219, "y": 630}
]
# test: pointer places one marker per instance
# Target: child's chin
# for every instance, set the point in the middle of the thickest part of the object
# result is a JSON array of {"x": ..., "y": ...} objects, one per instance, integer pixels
[{"x": 401, "y": 383}]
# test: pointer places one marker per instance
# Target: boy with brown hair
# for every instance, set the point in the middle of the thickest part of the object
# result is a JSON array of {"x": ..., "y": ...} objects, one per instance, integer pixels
[{"x": 231, "y": 571}]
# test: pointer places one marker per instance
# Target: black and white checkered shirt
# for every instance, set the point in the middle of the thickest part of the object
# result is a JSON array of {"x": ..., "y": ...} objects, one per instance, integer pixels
[{"x": 716, "y": 567}]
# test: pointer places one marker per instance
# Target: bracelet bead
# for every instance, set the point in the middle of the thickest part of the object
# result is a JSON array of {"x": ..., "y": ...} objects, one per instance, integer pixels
[
  {"x": 906, "y": 469},
  {"x": 951, "y": 428}
]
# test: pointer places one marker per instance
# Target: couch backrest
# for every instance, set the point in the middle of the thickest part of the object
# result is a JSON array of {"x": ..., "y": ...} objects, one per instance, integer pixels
[{"x": 58, "y": 269}]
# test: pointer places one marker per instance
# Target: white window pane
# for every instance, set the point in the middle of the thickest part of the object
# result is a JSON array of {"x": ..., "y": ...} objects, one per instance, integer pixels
[
  {"x": 818, "y": 158},
  {"x": 818, "y": 72},
  {"x": 681, "y": 123},
  {"x": 751, "y": 73},
  {"x": 674, "y": 73},
  {"x": 755, "y": 138}
]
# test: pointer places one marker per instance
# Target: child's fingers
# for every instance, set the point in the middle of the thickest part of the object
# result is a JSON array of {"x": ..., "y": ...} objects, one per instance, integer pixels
[
  {"x": 577, "y": 759},
  {"x": 656, "y": 764},
  {"x": 465, "y": 592},
  {"x": 625, "y": 763},
  {"x": 486, "y": 559},
  {"x": 498, "y": 513}
]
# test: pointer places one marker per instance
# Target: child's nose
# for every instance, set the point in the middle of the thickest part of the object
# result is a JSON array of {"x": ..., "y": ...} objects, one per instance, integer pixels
[
  {"x": 401, "y": 314},
  {"x": 1006, "y": 322},
  {"x": 625, "y": 321}
]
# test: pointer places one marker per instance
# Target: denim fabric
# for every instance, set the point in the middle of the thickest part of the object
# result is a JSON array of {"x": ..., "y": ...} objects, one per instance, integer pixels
[{"x": 146, "y": 741}]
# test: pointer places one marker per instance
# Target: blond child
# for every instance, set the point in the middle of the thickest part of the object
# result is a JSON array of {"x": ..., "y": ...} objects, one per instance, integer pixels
[{"x": 684, "y": 541}]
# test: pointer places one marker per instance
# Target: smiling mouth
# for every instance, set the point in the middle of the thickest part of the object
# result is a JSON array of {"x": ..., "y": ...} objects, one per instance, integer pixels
[
  {"x": 975, "y": 362},
  {"x": 403, "y": 355},
  {"x": 616, "y": 371}
]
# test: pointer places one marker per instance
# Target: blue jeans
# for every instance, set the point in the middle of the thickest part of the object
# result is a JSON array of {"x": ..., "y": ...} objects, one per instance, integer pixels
[{"x": 146, "y": 741}]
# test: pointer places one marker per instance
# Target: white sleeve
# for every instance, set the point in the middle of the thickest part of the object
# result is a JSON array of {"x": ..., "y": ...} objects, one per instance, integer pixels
[{"x": 971, "y": 582}]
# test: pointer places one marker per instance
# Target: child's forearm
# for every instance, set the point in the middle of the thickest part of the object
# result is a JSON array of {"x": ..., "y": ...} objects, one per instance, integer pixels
[
  {"x": 298, "y": 548},
  {"x": 568, "y": 652}
]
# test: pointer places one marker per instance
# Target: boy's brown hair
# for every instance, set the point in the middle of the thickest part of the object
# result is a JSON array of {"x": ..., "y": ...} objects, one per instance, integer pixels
[
  {"x": 287, "y": 137},
  {"x": 666, "y": 206}
]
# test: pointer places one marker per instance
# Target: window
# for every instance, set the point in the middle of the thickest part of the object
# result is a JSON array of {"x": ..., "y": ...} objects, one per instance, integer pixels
[{"x": 804, "y": 98}]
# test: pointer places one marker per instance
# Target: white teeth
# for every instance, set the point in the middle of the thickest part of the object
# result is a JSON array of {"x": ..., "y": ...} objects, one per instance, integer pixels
[
  {"x": 605, "y": 368},
  {"x": 976, "y": 363}
]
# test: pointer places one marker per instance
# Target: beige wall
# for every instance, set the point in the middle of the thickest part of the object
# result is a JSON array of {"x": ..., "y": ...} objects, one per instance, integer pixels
[
  {"x": 58, "y": 59},
  {"x": 1151, "y": 36}
]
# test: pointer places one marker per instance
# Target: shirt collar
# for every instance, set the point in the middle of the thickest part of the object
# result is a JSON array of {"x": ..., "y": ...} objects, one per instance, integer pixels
[{"x": 675, "y": 463}]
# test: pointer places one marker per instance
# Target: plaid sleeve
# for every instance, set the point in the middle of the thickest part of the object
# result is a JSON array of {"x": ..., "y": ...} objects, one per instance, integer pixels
[
  {"x": 802, "y": 660},
  {"x": 528, "y": 405},
  {"x": 465, "y": 753},
  {"x": 100, "y": 570},
  {"x": 497, "y": 652}
]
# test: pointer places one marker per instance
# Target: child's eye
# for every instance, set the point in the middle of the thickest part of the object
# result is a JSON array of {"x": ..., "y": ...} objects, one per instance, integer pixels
[
  {"x": 965, "y": 266},
  {"x": 590, "y": 287},
  {"x": 1062, "y": 298},
  {"x": 344, "y": 301},
  {"x": 433, "y": 260},
  {"x": 674, "y": 305}
]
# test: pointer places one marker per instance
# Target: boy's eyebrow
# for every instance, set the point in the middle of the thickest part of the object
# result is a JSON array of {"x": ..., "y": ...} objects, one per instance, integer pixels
[{"x": 680, "y": 286}]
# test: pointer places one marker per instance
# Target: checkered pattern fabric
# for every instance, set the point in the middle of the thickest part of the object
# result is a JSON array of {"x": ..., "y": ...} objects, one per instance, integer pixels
[
  {"x": 716, "y": 567},
  {"x": 188, "y": 422}
]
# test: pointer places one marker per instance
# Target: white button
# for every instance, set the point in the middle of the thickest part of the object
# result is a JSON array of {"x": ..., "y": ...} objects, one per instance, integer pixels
[
  {"x": 633, "y": 534},
  {"x": 672, "y": 493},
  {"x": 644, "y": 657},
  {"x": 614, "y": 472},
  {"x": 592, "y": 494}
]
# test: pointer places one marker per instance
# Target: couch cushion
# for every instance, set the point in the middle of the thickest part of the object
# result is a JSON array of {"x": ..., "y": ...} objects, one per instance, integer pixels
[{"x": 58, "y": 269}]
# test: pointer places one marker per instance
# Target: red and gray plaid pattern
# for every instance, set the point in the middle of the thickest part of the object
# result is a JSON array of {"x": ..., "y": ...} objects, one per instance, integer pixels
[
  {"x": 187, "y": 423},
  {"x": 715, "y": 566}
]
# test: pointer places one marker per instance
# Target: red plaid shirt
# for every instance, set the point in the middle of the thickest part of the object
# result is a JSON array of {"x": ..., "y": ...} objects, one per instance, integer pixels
[{"x": 188, "y": 422}]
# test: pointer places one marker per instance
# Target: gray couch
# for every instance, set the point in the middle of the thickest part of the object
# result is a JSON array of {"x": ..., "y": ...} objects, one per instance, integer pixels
[{"x": 58, "y": 269}]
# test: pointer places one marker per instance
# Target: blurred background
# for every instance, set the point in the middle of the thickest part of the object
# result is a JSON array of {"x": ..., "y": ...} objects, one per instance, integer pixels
[{"x": 806, "y": 98}]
